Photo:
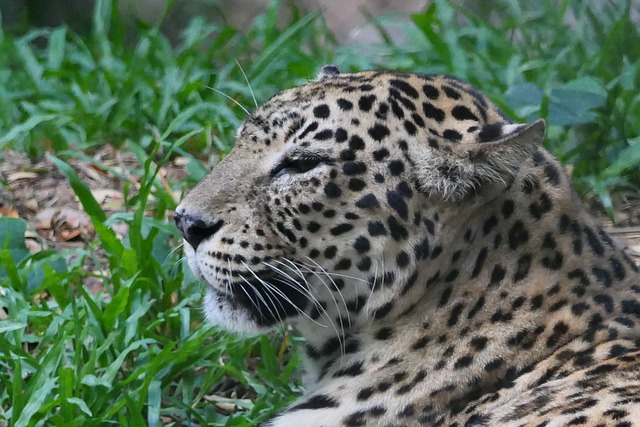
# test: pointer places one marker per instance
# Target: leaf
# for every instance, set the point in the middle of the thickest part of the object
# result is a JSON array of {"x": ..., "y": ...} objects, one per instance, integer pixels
[
  {"x": 24, "y": 128},
  {"x": 81, "y": 404},
  {"x": 12, "y": 232},
  {"x": 36, "y": 400},
  {"x": 572, "y": 103},
  {"x": 89, "y": 203},
  {"x": 524, "y": 98},
  {"x": 9, "y": 325},
  {"x": 628, "y": 159}
]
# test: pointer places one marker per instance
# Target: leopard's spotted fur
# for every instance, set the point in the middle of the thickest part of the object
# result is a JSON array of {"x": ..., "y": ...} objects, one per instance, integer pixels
[{"x": 431, "y": 253}]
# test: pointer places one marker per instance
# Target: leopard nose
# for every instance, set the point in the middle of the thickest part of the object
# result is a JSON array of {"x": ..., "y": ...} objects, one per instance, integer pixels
[{"x": 194, "y": 229}]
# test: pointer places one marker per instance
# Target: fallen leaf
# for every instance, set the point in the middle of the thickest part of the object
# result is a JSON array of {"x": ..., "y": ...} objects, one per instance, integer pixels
[
  {"x": 9, "y": 213},
  {"x": 15, "y": 176}
]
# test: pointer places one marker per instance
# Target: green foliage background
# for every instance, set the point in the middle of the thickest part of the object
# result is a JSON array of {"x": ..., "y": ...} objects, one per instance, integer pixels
[{"x": 138, "y": 354}]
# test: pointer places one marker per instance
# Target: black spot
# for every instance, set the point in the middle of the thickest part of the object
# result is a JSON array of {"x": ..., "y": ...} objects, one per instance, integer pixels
[
  {"x": 382, "y": 311},
  {"x": 354, "y": 168},
  {"x": 618, "y": 269},
  {"x": 461, "y": 112},
  {"x": 378, "y": 132},
  {"x": 340, "y": 229},
  {"x": 522, "y": 270},
  {"x": 364, "y": 264},
  {"x": 480, "y": 259},
  {"x": 376, "y": 228},
  {"x": 463, "y": 362},
  {"x": 410, "y": 128},
  {"x": 313, "y": 226},
  {"x": 396, "y": 167},
  {"x": 594, "y": 242},
  {"x": 356, "y": 143},
  {"x": 321, "y": 111},
  {"x": 490, "y": 132},
  {"x": 433, "y": 112},
  {"x": 332, "y": 190},
  {"x": 361, "y": 244},
  {"x": 559, "y": 330},
  {"x": 352, "y": 370},
  {"x": 343, "y": 264},
  {"x": 542, "y": 206},
  {"x": 323, "y": 135},
  {"x": 451, "y": 276},
  {"x": 602, "y": 276},
  {"x": 452, "y": 135},
  {"x": 356, "y": 184},
  {"x": 384, "y": 333},
  {"x": 552, "y": 174},
  {"x": 404, "y": 87},
  {"x": 366, "y": 102},
  {"x": 493, "y": 365},
  {"x": 497, "y": 274},
  {"x": 507, "y": 208},
  {"x": 316, "y": 402},
  {"x": 530, "y": 184},
  {"x": 341, "y": 135},
  {"x": 420, "y": 343},
  {"x": 365, "y": 393},
  {"x": 398, "y": 232},
  {"x": 396, "y": 201},
  {"x": 421, "y": 250},
  {"x": 330, "y": 252},
  {"x": 518, "y": 235},
  {"x": 489, "y": 224},
  {"x": 431, "y": 91},
  {"x": 456, "y": 310},
  {"x": 312, "y": 127},
  {"x": 402, "y": 259},
  {"x": 344, "y": 104},
  {"x": 451, "y": 93},
  {"x": 437, "y": 250},
  {"x": 444, "y": 298},
  {"x": 479, "y": 343},
  {"x": 396, "y": 109},
  {"x": 538, "y": 158},
  {"x": 606, "y": 301},
  {"x": 380, "y": 154},
  {"x": 368, "y": 201},
  {"x": 631, "y": 307},
  {"x": 553, "y": 262}
]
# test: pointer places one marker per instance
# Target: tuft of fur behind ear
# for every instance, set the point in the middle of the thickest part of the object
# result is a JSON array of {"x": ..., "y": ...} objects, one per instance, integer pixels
[{"x": 452, "y": 170}]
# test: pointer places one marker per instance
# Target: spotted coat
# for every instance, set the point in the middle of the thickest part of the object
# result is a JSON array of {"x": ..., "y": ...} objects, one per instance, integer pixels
[{"x": 431, "y": 253}]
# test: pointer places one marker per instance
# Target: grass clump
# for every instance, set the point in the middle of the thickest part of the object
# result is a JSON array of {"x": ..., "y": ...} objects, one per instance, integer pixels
[{"x": 136, "y": 352}]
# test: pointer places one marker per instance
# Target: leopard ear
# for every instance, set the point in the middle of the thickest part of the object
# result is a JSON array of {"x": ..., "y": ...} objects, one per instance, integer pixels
[
  {"x": 327, "y": 71},
  {"x": 452, "y": 170}
]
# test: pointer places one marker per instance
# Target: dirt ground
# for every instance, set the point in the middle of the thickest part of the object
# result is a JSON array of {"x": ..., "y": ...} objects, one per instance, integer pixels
[{"x": 40, "y": 194}]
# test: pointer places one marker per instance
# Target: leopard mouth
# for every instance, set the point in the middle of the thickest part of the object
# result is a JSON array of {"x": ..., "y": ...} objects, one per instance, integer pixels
[{"x": 269, "y": 299}]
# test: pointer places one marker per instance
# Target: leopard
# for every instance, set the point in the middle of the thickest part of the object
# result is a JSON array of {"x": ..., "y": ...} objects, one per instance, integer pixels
[{"x": 434, "y": 260}]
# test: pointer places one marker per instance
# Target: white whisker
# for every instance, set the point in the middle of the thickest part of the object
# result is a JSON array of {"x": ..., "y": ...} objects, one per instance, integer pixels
[
  {"x": 229, "y": 98},
  {"x": 248, "y": 84}
]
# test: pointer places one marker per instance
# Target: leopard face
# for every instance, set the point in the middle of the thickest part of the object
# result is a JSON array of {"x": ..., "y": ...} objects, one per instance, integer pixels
[{"x": 427, "y": 248}]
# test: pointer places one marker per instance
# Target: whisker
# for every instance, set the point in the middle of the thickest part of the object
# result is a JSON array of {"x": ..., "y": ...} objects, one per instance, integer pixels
[
  {"x": 229, "y": 98},
  {"x": 248, "y": 84}
]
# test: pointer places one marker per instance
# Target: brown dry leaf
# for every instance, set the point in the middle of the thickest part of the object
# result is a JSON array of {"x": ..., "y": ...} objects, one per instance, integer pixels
[
  {"x": 108, "y": 198},
  {"x": 9, "y": 213},
  {"x": 226, "y": 405},
  {"x": 181, "y": 161},
  {"x": 15, "y": 176},
  {"x": 66, "y": 223}
]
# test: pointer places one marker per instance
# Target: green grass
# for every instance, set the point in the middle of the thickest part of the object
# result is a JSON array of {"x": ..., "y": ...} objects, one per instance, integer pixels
[{"x": 138, "y": 354}]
